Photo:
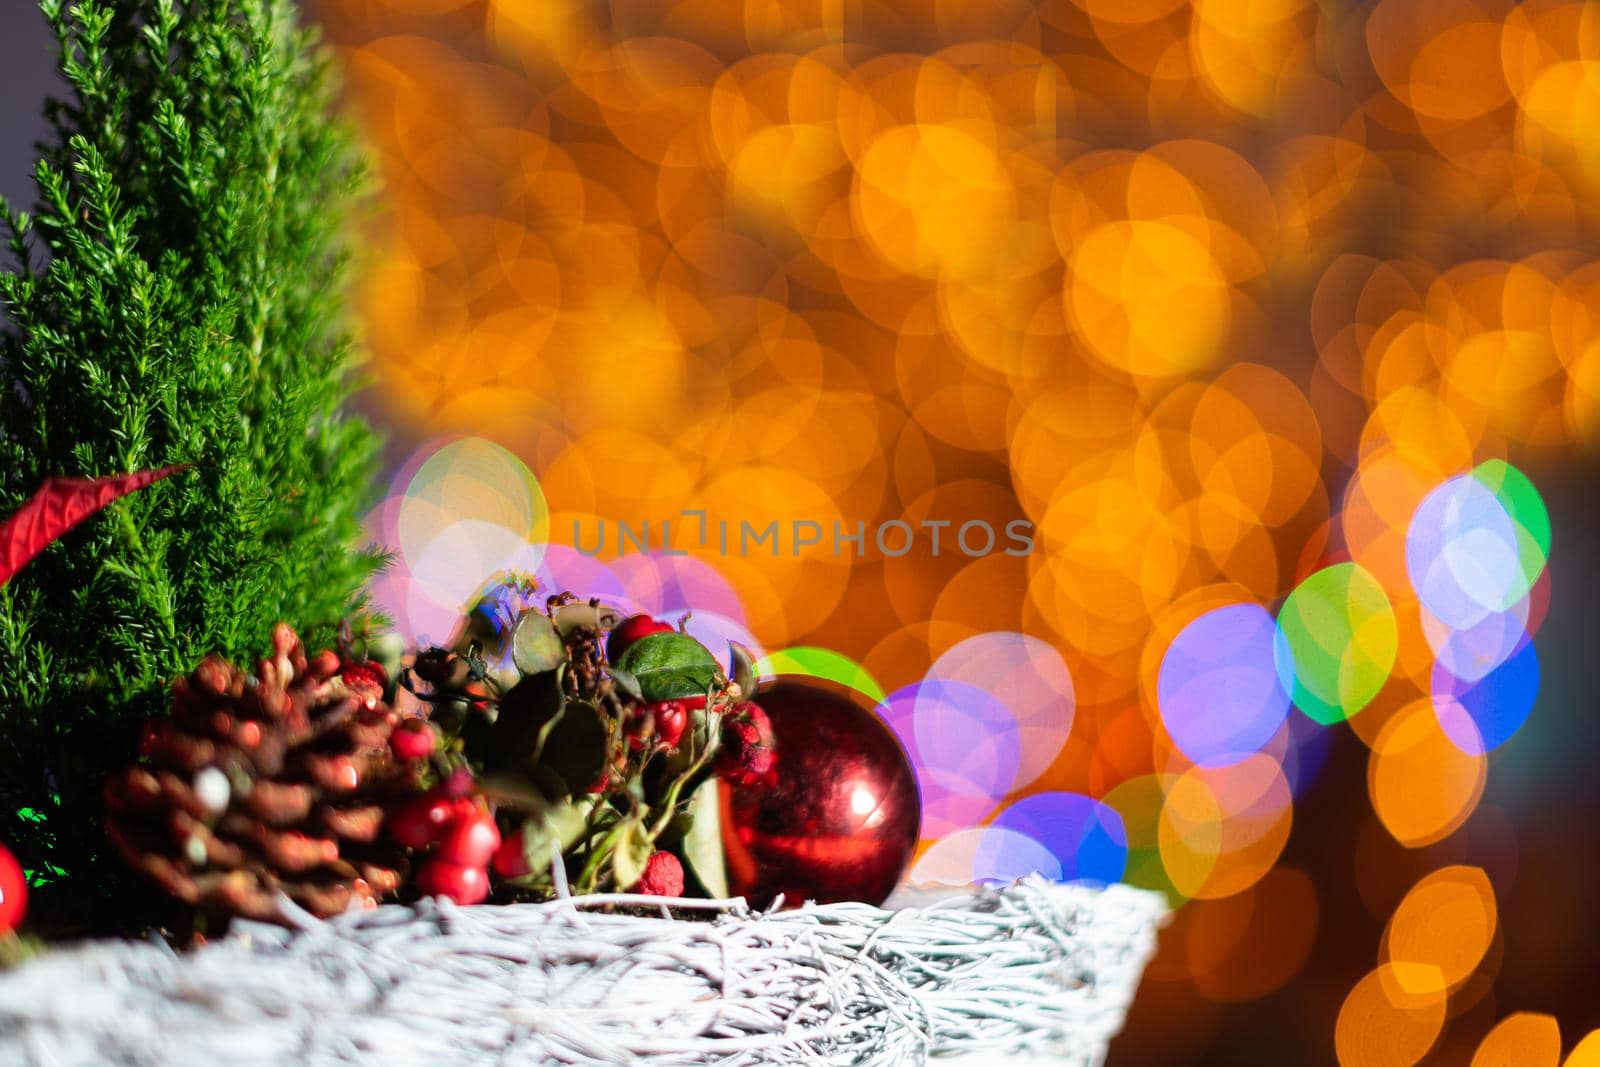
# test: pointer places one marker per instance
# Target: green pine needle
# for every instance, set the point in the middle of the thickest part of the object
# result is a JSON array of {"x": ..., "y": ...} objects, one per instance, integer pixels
[{"x": 176, "y": 300}]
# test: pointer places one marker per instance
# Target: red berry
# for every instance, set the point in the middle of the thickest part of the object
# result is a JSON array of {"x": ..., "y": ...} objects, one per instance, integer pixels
[
  {"x": 464, "y": 885},
  {"x": 470, "y": 842},
  {"x": 748, "y": 721},
  {"x": 412, "y": 739},
  {"x": 630, "y": 630},
  {"x": 459, "y": 784},
  {"x": 636, "y": 727},
  {"x": 436, "y": 666},
  {"x": 664, "y": 722},
  {"x": 671, "y": 718},
  {"x": 324, "y": 665},
  {"x": 747, "y": 746},
  {"x": 662, "y": 877},
  {"x": 13, "y": 891},
  {"x": 421, "y": 821},
  {"x": 365, "y": 679},
  {"x": 754, "y": 766},
  {"x": 510, "y": 861}
]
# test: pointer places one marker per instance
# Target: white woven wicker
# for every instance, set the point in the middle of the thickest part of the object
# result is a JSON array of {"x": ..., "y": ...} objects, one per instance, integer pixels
[{"x": 1033, "y": 970}]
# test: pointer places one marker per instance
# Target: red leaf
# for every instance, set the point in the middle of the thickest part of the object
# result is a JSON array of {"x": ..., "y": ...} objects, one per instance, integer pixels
[{"x": 58, "y": 506}]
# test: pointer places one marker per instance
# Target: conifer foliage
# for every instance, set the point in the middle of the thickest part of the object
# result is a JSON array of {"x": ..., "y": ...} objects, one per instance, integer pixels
[{"x": 174, "y": 300}]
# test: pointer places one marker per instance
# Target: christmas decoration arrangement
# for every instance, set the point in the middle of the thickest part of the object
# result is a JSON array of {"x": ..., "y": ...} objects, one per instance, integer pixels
[
  {"x": 562, "y": 746},
  {"x": 606, "y": 782},
  {"x": 570, "y": 832}
]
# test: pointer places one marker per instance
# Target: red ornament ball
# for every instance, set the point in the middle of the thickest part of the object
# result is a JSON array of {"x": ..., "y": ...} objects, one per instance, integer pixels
[
  {"x": 13, "y": 891},
  {"x": 836, "y": 817}
]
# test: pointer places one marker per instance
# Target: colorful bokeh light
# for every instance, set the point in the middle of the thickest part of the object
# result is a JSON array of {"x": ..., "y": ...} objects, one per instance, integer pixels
[
  {"x": 985, "y": 855},
  {"x": 1337, "y": 641},
  {"x": 1030, "y": 680},
  {"x": 1221, "y": 690},
  {"x": 1085, "y": 836},
  {"x": 964, "y": 747},
  {"x": 820, "y": 663},
  {"x": 464, "y": 511},
  {"x": 1465, "y": 554},
  {"x": 1481, "y": 715}
]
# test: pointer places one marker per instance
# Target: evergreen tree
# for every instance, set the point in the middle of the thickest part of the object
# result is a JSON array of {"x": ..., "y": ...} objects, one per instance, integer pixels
[{"x": 175, "y": 300}]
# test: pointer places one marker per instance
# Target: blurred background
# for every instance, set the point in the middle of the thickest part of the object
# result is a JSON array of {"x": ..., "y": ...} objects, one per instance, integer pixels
[{"x": 1278, "y": 323}]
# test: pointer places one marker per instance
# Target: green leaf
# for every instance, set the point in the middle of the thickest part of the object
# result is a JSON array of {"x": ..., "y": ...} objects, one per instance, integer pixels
[
  {"x": 387, "y": 650},
  {"x": 556, "y": 826},
  {"x": 670, "y": 666},
  {"x": 569, "y": 617},
  {"x": 701, "y": 741},
  {"x": 508, "y": 790},
  {"x": 535, "y": 645},
  {"x": 743, "y": 669},
  {"x": 575, "y": 745},
  {"x": 475, "y": 730},
  {"x": 633, "y": 851},
  {"x": 550, "y": 783},
  {"x": 522, "y": 724},
  {"x": 626, "y": 682},
  {"x": 702, "y": 844},
  {"x": 451, "y": 716}
]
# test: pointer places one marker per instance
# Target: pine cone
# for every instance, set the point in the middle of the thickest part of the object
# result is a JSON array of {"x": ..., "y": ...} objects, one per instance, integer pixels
[{"x": 255, "y": 785}]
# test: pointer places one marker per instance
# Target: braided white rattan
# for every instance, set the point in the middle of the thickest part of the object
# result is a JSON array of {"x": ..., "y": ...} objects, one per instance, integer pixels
[{"x": 1035, "y": 969}]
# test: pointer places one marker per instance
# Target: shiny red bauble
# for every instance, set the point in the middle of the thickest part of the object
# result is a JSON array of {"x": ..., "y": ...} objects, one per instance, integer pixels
[
  {"x": 838, "y": 815},
  {"x": 13, "y": 891}
]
